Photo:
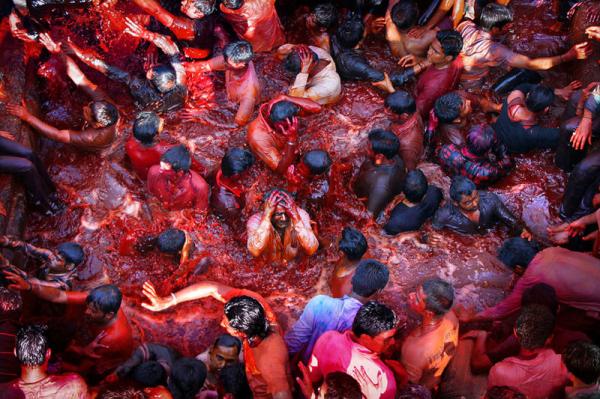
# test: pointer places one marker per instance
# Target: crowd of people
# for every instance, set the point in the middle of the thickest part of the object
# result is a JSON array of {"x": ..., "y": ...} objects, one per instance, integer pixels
[{"x": 541, "y": 341}]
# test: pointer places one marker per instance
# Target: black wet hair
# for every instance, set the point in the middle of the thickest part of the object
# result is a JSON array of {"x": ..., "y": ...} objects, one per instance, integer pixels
[
  {"x": 451, "y": 42},
  {"x": 149, "y": 374},
  {"x": 413, "y": 391},
  {"x": 187, "y": 378},
  {"x": 541, "y": 294},
  {"x": 504, "y": 392},
  {"x": 229, "y": 341},
  {"x": 71, "y": 252},
  {"x": 318, "y": 162},
  {"x": 460, "y": 186},
  {"x": 10, "y": 303},
  {"x": 106, "y": 298},
  {"x": 31, "y": 345},
  {"x": 415, "y": 186},
  {"x": 236, "y": 161},
  {"x": 447, "y": 107},
  {"x": 246, "y": 314},
  {"x": 163, "y": 77},
  {"x": 350, "y": 31},
  {"x": 401, "y": 102},
  {"x": 178, "y": 157},
  {"x": 369, "y": 277},
  {"x": 517, "y": 251},
  {"x": 384, "y": 142},
  {"x": 206, "y": 7},
  {"x": 232, "y": 4},
  {"x": 266, "y": 195},
  {"x": 238, "y": 51},
  {"x": 353, "y": 243},
  {"x": 170, "y": 241},
  {"x": 405, "y": 14},
  {"x": 233, "y": 380},
  {"x": 583, "y": 361},
  {"x": 122, "y": 393},
  {"x": 146, "y": 126},
  {"x": 480, "y": 139},
  {"x": 372, "y": 319},
  {"x": 326, "y": 14},
  {"x": 439, "y": 295},
  {"x": 494, "y": 16},
  {"x": 104, "y": 113},
  {"x": 292, "y": 62},
  {"x": 534, "y": 326},
  {"x": 539, "y": 98},
  {"x": 342, "y": 386},
  {"x": 283, "y": 110}
]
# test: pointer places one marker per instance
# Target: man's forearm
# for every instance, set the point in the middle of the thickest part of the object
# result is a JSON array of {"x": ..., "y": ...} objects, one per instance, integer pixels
[
  {"x": 49, "y": 294},
  {"x": 62, "y": 136},
  {"x": 289, "y": 153},
  {"x": 259, "y": 237},
  {"x": 202, "y": 290}
]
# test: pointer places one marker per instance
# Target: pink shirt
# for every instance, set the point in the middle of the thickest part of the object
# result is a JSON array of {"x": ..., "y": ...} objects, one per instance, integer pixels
[
  {"x": 537, "y": 378},
  {"x": 336, "y": 351}
]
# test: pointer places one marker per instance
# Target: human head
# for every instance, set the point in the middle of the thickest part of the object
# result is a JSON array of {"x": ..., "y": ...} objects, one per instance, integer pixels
[
  {"x": 374, "y": 325},
  {"x": 103, "y": 303},
  {"x": 146, "y": 126},
  {"x": 71, "y": 252},
  {"x": 122, "y": 393},
  {"x": 177, "y": 158},
  {"x": 162, "y": 77},
  {"x": 280, "y": 219},
  {"x": 445, "y": 47},
  {"x": 401, "y": 102},
  {"x": 503, "y": 392},
  {"x": 541, "y": 294},
  {"x": 171, "y": 241},
  {"x": 325, "y": 15},
  {"x": 464, "y": 194},
  {"x": 101, "y": 114},
  {"x": 338, "y": 385},
  {"x": 384, "y": 142},
  {"x": 516, "y": 253},
  {"x": 583, "y": 361},
  {"x": 353, "y": 243},
  {"x": 317, "y": 161},
  {"x": 539, "y": 98},
  {"x": 232, "y": 4},
  {"x": 350, "y": 31},
  {"x": 197, "y": 9},
  {"x": 283, "y": 110},
  {"x": 187, "y": 377},
  {"x": 236, "y": 161},
  {"x": 434, "y": 295},
  {"x": 31, "y": 346},
  {"x": 450, "y": 107},
  {"x": 246, "y": 317},
  {"x": 10, "y": 304},
  {"x": 405, "y": 14},
  {"x": 480, "y": 139},
  {"x": 493, "y": 16},
  {"x": 224, "y": 352},
  {"x": 238, "y": 54},
  {"x": 534, "y": 326},
  {"x": 413, "y": 391},
  {"x": 233, "y": 383},
  {"x": 370, "y": 277},
  {"x": 149, "y": 374},
  {"x": 415, "y": 186},
  {"x": 292, "y": 63}
]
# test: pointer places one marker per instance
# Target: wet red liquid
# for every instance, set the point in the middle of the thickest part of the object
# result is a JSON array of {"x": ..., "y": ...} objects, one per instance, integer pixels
[{"x": 98, "y": 192}]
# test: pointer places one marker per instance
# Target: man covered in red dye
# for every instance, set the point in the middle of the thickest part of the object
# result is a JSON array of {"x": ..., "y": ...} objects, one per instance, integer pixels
[
  {"x": 352, "y": 246},
  {"x": 255, "y": 21},
  {"x": 309, "y": 178},
  {"x": 318, "y": 22},
  {"x": 103, "y": 337},
  {"x": 249, "y": 317},
  {"x": 33, "y": 352},
  {"x": 400, "y": 18},
  {"x": 273, "y": 135},
  {"x": 281, "y": 229},
  {"x": 241, "y": 82},
  {"x": 175, "y": 185},
  {"x": 407, "y": 126},
  {"x": 228, "y": 194},
  {"x": 101, "y": 113},
  {"x": 141, "y": 148}
]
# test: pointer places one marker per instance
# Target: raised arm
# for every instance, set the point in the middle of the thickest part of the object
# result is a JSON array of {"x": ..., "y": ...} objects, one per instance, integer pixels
[
  {"x": 182, "y": 27},
  {"x": 62, "y": 136},
  {"x": 31, "y": 250},
  {"x": 20, "y": 283},
  {"x": 578, "y": 52},
  {"x": 195, "y": 291},
  {"x": 98, "y": 64}
]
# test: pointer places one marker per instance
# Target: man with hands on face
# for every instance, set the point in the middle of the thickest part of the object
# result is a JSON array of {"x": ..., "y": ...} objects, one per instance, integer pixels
[{"x": 281, "y": 229}]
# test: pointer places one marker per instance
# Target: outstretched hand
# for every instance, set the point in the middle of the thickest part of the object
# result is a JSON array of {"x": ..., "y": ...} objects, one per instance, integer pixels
[
  {"x": 16, "y": 280},
  {"x": 135, "y": 29},
  {"x": 581, "y": 50},
  {"x": 408, "y": 61},
  {"x": 565, "y": 92},
  {"x": 49, "y": 43},
  {"x": 17, "y": 110},
  {"x": 582, "y": 135},
  {"x": 157, "y": 303},
  {"x": 593, "y": 32},
  {"x": 304, "y": 382}
]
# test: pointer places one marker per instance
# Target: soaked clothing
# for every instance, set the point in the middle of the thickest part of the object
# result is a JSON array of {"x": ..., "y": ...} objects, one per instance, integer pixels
[
  {"x": 143, "y": 157},
  {"x": 324, "y": 87},
  {"x": 164, "y": 355},
  {"x": 94, "y": 139},
  {"x": 574, "y": 276},
  {"x": 321, "y": 314},
  {"x": 426, "y": 355},
  {"x": 178, "y": 191},
  {"x": 541, "y": 377},
  {"x": 410, "y": 135},
  {"x": 491, "y": 210},
  {"x": 9, "y": 364},
  {"x": 227, "y": 200},
  {"x": 434, "y": 83},
  {"x": 523, "y": 136},
  {"x": 374, "y": 376},
  {"x": 404, "y": 218},
  {"x": 64, "y": 386},
  {"x": 480, "y": 169},
  {"x": 583, "y": 184},
  {"x": 352, "y": 65},
  {"x": 264, "y": 240},
  {"x": 257, "y": 22},
  {"x": 267, "y": 144},
  {"x": 242, "y": 86},
  {"x": 380, "y": 183}
]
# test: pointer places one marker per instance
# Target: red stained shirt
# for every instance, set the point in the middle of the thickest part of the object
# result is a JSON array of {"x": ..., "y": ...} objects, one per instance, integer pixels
[
  {"x": 434, "y": 83},
  {"x": 65, "y": 386},
  {"x": 143, "y": 158},
  {"x": 177, "y": 191}
]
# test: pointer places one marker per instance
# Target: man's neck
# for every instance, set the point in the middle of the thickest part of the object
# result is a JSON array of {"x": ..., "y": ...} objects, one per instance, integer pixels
[
  {"x": 359, "y": 298},
  {"x": 529, "y": 353},
  {"x": 30, "y": 375},
  {"x": 442, "y": 65},
  {"x": 430, "y": 322}
]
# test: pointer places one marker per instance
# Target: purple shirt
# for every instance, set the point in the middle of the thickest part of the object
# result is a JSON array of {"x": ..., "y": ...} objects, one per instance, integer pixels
[{"x": 321, "y": 314}]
